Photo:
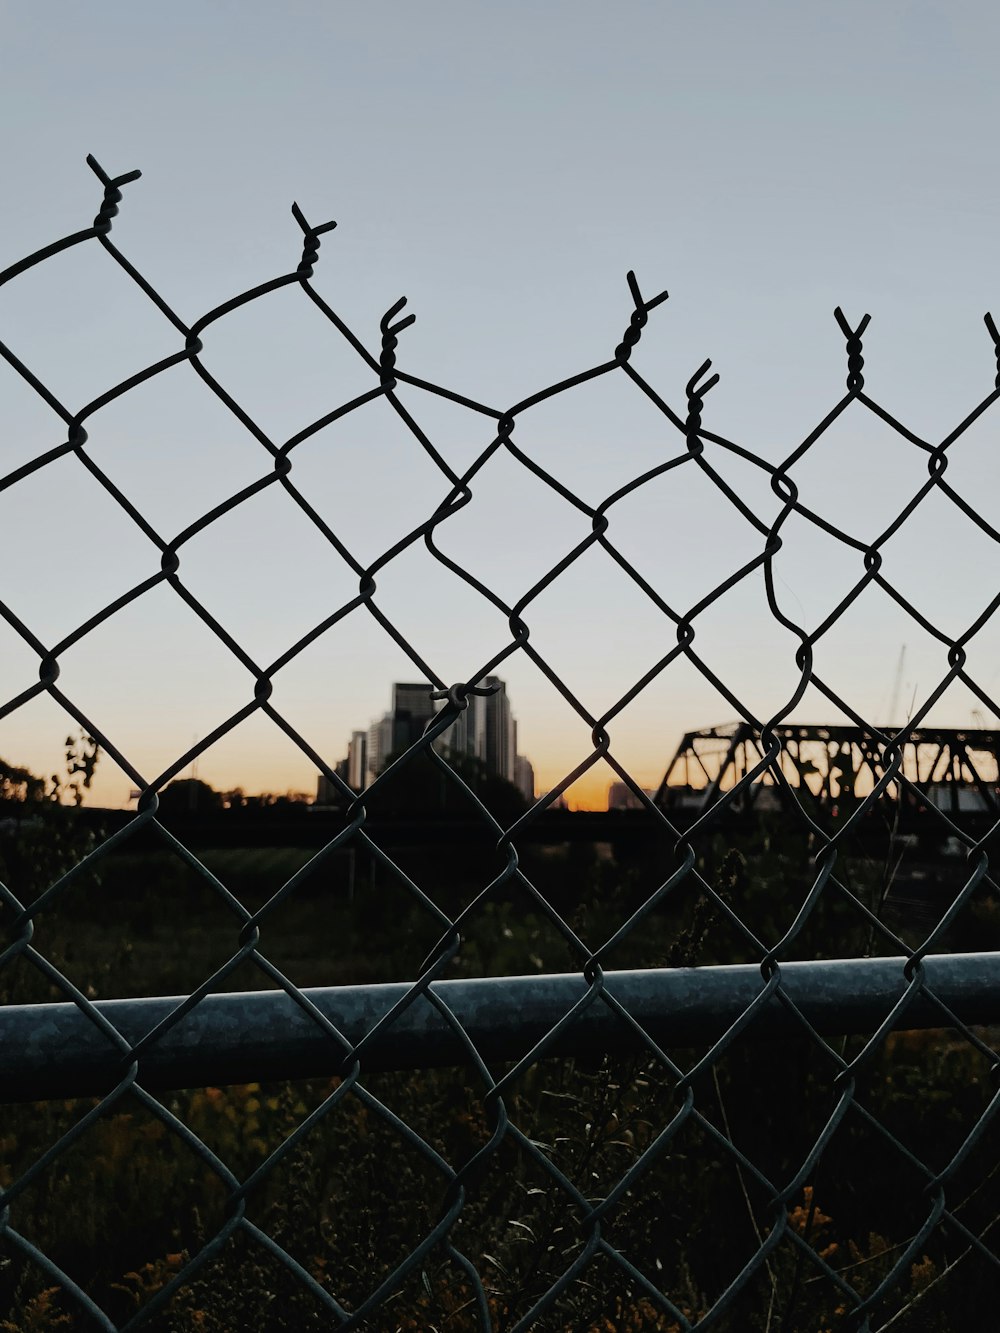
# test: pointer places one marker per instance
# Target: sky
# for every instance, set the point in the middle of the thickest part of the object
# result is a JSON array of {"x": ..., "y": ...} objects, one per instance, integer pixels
[{"x": 503, "y": 167}]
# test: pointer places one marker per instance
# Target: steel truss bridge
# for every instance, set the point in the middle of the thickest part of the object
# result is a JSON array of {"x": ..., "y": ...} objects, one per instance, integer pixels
[{"x": 956, "y": 770}]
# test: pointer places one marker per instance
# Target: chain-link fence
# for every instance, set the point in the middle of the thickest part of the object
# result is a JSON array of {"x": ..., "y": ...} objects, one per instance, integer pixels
[{"x": 723, "y": 1108}]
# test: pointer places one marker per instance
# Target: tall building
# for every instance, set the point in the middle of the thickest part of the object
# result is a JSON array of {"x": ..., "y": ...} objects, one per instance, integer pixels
[
  {"x": 329, "y": 792},
  {"x": 457, "y": 739},
  {"x": 467, "y": 734},
  {"x": 500, "y": 745},
  {"x": 622, "y": 797},
  {"x": 484, "y": 731},
  {"x": 395, "y": 731},
  {"x": 524, "y": 778},
  {"x": 379, "y": 747},
  {"x": 412, "y": 709},
  {"x": 357, "y": 759}
]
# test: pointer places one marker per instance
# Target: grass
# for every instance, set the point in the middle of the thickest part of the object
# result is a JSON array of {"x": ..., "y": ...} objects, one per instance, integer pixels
[{"x": 124, "y": 1207}]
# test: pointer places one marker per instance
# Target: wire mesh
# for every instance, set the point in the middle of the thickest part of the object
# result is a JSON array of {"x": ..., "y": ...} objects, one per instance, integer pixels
[{"x": 605, "y": 1172}]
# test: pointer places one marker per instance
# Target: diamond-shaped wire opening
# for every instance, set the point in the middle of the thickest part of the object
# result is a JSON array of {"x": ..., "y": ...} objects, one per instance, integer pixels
[
  {"x": 875, "y": 625},
  {"x": 971, "y": 471},
  {"x": 577, "y": 437},
  {"x": 306, "y": 935},
  {"x": 458, "y": 430},
  {"x": 658, "y": 1161},
  {"x": 935, "y": 1129},
  {"x": 880, "y": 1194},
  {"x": 482, "y": 539},
  {"x": 342, "y": 471},
  {"x": 599, "y": 656},
  {"x": 266, "y": 552},
  {"x": 68, "y": 578},
  {"x": 21, "y": 658},
  {"x": 667, "y": 530},
  {"x": 351, "y": 1201},
  {"x": 859, "y": 473},
  {"x": 33, "y": 426},
  {"x": 111, "y": 937},
  {"x": 167, "y": 1199},
  {"x": 604, "y": 1291},
  {"x": 520, "y": 1228},
  {"x": 754, "y": 657},
  {"x": 945, "y": 566},
  {"x": 311, "y": 369},
  {"x": 813, "y": 571},
  {"x": 341, "y": 924},
  {"x": 172, "y": 666},
  {"x": 449, "y": 624},
  {"x": 82, "y": 325},
  {"x": 149, "y": 440},
  {"x": 232, "y": 1288}
]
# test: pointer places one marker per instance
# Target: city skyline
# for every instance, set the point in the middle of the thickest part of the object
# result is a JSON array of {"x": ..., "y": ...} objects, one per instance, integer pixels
[{"x": 486, "y": 731}]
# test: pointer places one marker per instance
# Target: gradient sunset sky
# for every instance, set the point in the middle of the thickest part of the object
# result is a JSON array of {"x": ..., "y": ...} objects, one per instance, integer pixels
[{"x": 503, "y": 166}]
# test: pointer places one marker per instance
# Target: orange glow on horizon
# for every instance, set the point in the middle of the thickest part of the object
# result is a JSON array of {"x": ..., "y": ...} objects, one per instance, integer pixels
[
  {"x": 282, "y": 771},
  {"x": 589, "y": 792},
  {"x": 112, "y": 789}
]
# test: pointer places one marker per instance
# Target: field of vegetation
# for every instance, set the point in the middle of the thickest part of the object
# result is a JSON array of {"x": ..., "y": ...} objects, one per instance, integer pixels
[{"x": 124, "y": 1208}]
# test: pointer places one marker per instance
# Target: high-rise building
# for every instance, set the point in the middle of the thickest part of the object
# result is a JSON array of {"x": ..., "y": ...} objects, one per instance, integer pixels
[
  {"x": 524, "y": 777},
  {"x": 357, "y": 759},
  {"x": 379, "y": 747},
  {"x": 412, "y": 709},
  {"x": 329, "y": 792},
  {"x": 467, "y": 734},
  {"x": 485, "y": 731},
  {"x": 622, "y": 797},
  {"x": 500, "y": 744}
]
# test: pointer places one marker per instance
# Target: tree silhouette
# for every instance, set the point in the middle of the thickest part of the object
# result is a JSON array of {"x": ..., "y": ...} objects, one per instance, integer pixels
[{"x": 190, "y": 796}]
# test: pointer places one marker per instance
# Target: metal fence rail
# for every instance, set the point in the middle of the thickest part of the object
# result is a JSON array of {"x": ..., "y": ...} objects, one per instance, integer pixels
[
  {"x": 505, "y": 1032},
  {"x": 52, "y": 1050}
]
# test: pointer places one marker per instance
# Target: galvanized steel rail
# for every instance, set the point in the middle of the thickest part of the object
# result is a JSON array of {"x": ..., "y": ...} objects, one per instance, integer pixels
[{"x": 52, "y": 1050}]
